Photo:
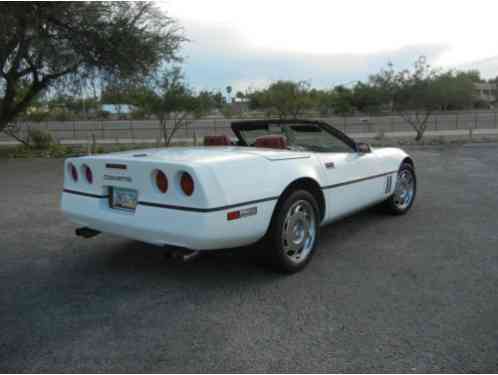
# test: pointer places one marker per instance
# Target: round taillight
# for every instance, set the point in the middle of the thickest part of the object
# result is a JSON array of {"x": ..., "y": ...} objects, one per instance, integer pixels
[
  {"x": 161, "y": 181},
  {"x": 187, "y": 184},
  {"x": 74, "y": 172},
  {"x": 88, "y": 174}
]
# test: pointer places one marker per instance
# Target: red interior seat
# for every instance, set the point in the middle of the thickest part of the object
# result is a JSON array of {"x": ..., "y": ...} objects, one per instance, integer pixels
[
  {"x": 271, "y": 141},
  {"x": 216, "y": 140}
]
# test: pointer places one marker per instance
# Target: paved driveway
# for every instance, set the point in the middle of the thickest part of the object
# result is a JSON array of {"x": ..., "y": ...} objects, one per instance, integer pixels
[{"x": 411, "y": 293}]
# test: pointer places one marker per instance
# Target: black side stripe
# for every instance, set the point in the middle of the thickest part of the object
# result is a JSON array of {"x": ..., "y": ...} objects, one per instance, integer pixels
[
  {"x": 85, "y": 194},
  {"x": 222, "y": 208},
  {"x": 195, "y": 209},
  {"x": 358, "y": 180}
]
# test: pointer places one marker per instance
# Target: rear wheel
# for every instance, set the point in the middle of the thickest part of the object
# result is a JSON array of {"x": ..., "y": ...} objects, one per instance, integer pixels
[
  {"x": 404, "y": 192},
  {"x": 294, "y": 231}
]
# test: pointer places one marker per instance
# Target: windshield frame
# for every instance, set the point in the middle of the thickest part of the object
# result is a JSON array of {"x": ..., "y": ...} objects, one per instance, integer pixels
[{"x": 239, "y": 126}]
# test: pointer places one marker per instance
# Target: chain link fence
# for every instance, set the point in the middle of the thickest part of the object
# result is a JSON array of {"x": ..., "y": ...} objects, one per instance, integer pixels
[{"x": 136, "y": 131}]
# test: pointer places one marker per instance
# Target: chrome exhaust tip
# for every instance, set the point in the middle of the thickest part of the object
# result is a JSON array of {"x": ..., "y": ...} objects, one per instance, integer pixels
[{"x": 185, "y": 255}]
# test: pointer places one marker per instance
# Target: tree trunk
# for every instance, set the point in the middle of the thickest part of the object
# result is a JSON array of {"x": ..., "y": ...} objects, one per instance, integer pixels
[
  {"x": 10, "y": 108},
  {"x": 420, "y": 134}
]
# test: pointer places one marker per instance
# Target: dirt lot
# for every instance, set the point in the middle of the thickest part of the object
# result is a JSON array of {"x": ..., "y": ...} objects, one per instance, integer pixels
[{"x": 412, "y": 293}]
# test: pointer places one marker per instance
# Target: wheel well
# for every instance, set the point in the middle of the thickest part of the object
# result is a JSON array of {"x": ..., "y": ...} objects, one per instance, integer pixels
[
  {"x": 309, "y": 185},
  {"x": 408, "y": 160}
]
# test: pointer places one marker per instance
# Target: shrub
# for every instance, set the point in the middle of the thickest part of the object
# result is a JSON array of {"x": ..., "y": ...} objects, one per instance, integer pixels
[
  {"x": 61, "y": 115},
  {"x": 138, "y": 115},
  {"x": 39, "y": 139},
  {"x": 53, "y": 151},
  {"x": 57, "y": 150},
  {"x": 227, "y": 112}
]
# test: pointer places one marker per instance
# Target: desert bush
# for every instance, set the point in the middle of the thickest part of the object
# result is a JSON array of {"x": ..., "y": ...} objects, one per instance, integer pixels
[
  {"x": 227, "y": 112},
  {"x": 39, "y": 139},
  {"x": 55, "y": 150}
]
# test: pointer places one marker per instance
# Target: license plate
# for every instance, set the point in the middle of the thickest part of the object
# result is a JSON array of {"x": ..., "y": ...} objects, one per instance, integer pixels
[{"x": 124, "y": 199}]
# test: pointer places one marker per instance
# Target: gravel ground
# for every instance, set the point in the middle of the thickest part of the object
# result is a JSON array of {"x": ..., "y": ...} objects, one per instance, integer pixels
[{"x": 411, "y": 294}]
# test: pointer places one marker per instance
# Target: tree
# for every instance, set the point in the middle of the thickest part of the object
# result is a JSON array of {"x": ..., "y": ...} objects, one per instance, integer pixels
[
  {"x": 342, "y": 100},
  {"x": 412, "y": 93},
  {"x": 170, "y": 99},
  {"x": 367, "y": 98},
  {"x": 219, "y": 100},
  {"x": 229, "y": 91},
  {"x": 286, "y": 98},
  {"x": 456, "y": 89},
  {"x": 46, "y": 43}
]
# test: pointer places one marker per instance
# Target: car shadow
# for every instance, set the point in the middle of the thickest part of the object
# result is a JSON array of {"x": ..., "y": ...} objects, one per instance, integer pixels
[{"x": 231, "y": 264}]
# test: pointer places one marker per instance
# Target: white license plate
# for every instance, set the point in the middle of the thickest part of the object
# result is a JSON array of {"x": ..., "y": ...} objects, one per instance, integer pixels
[{"x": 124, "y": 199}]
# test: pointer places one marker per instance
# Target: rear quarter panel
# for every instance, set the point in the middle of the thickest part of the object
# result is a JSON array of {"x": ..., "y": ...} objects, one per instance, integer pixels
[{"x": 259, "y": 178}]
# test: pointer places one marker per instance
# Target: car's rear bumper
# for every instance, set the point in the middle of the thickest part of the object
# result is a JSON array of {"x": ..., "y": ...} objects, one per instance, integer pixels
[{"x": 168, "y": 226}]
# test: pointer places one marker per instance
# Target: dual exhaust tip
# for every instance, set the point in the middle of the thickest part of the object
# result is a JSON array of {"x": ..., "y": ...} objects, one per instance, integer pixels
[{"x": 178, "y": 254}]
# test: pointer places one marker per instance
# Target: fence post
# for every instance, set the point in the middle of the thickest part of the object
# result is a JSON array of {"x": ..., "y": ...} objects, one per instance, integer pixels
[
  {"x": 496, "y": 123},
  {"x": 456, "y": 120},
  {"x": 475, "y": 120},
  {"x": 102, "y": 128},
  {"x": 132, "y": 132},
  {"x": 344, "y": 122}
]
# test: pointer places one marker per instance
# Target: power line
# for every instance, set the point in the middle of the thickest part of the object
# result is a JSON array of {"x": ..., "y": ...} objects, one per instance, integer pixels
[{"x": 478, "y": 62}]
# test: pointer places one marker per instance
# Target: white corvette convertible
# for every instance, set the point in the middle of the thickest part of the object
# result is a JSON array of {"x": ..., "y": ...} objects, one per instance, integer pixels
[{"x": 277, "y": 184}]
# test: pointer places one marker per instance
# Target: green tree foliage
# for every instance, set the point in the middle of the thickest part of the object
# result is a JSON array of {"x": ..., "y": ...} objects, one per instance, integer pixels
[
  {"x": 45, "y": 43},
  {"x": 343, "y": 100},
  {"x": 368, "y": 98},
  {"x": 455, "y": 90},
  {"x": 209, "y": 100},
  {"x": 170, "y": 99},
  {"x": 415, "y": 94},
  {"x": 286, "y": 99}
]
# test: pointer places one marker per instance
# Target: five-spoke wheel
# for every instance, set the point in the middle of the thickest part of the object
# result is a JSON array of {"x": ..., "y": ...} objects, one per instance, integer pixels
[
  {"x": 404, "y": 192},
  {"x": 299, "y": 234},
  {"x": 294, "y": 231}
]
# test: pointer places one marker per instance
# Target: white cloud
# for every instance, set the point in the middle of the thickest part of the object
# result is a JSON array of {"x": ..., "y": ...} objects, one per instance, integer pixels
[{"x": 329, "y": 41}]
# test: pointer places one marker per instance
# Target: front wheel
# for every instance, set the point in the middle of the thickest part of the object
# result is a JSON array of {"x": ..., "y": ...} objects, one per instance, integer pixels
[
  {"x": 294, "y": 232},
  {"x": 404, "y": 192}
]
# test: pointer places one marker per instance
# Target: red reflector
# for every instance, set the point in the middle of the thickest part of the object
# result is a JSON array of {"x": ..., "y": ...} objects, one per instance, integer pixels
[
  {"x": 234, "y": 215},
  {"x": 88, "y": 174},
  {"x": 187, "y": 184},
  {"x": 161, "y": 181},
  {"x": 74, "y": 172}
]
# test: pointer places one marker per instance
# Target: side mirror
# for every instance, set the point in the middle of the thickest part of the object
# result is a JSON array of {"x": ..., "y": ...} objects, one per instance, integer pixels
[{"x": 363, "y": 148}]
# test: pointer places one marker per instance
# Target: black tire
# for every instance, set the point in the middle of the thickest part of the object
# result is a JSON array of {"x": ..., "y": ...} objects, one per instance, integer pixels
[
  {"x": 391, "y": 205},
  {"x": 274, "y": 243}
]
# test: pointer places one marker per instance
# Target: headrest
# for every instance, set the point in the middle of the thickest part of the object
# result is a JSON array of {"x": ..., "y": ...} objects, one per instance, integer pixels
[
  {"x": 216, "y": 140},
  {"x": 271, "y": 141}
]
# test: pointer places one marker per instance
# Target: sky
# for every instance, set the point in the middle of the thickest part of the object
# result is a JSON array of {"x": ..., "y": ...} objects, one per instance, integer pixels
[{"x": 249, "y": 44}]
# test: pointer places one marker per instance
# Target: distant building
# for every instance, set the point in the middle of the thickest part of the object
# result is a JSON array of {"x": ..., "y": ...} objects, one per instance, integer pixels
[
  {"x": 486, "y": 92},
  {"x": 240, "y": 105},
  {"x": 118, "y": 109}
]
